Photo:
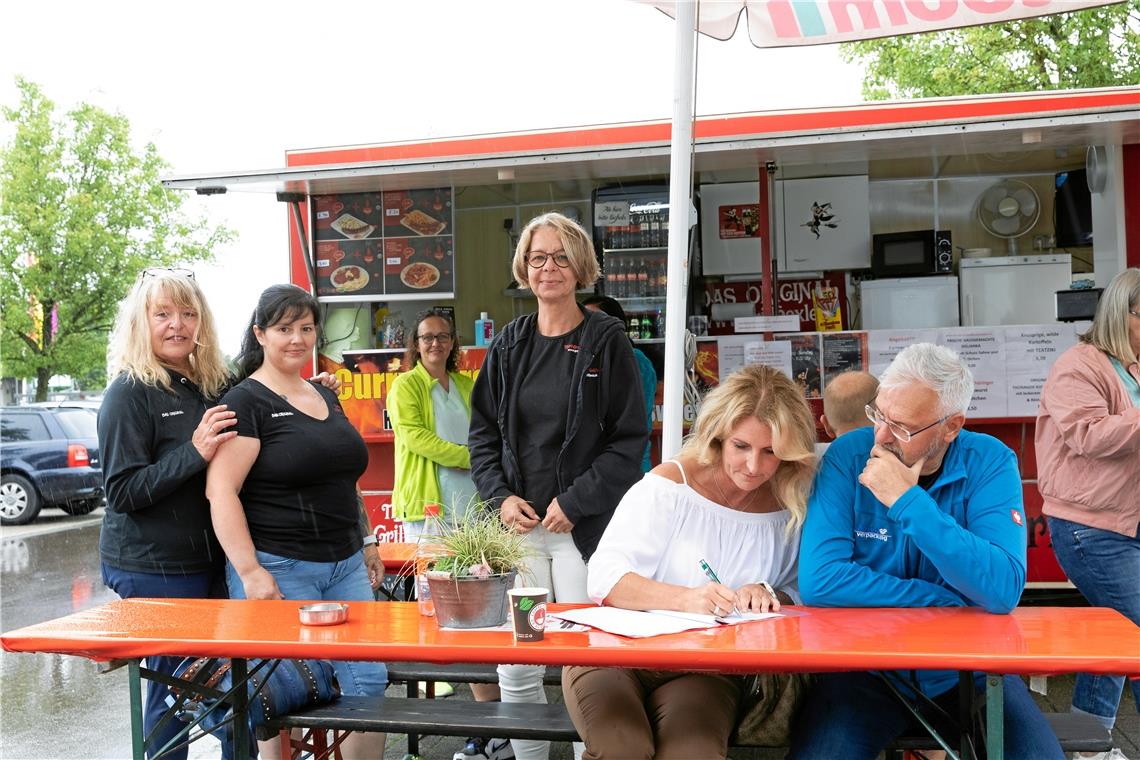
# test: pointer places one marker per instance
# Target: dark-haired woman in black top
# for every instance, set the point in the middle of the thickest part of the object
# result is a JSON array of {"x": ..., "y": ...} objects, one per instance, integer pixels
[{"x": 283, "y": 491}]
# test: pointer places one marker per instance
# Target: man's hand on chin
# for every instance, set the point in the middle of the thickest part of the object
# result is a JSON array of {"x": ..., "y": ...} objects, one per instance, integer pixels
[{"x": 887, "y": 477}]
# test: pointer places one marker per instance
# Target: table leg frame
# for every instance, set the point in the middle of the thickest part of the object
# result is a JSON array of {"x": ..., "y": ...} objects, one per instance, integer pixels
[
  {"x": 995, "y": 716},
  {"x": 236, "y": 696}
]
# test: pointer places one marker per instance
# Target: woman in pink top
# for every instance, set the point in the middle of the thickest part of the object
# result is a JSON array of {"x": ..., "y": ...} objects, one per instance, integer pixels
[{"x": 1088, "y": 468}]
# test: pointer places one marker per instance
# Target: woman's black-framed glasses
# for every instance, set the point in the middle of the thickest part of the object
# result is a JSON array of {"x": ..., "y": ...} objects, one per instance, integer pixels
[
  {"x": 161, "y": 271},
  {"x": 898, "y": 431},
  {"x": 440, "y": 338},
  {"x": 537, "y": 259}
]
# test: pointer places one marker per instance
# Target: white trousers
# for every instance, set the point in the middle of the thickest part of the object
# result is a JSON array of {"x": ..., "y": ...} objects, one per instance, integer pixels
[{"x": 554, "y": 563}]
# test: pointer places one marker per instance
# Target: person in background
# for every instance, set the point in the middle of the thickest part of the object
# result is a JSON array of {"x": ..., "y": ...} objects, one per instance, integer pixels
[
  {"x": 644, "y": 365},
  {"x": 844, "y": 399},
  {"x": 1088, "y": 469},
  {"x": 735, "y": 498},
  {"x": 430, "y": 408},
  {"x": 282, "y": 489},
  {"x": 159, "y": 425},
  {"x": 915, "y": 512},
  {"x": 557, "y": 426}
]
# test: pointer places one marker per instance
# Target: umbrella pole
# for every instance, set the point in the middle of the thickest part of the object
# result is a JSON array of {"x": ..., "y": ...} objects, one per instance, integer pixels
[{"x": 680, "y": 190}]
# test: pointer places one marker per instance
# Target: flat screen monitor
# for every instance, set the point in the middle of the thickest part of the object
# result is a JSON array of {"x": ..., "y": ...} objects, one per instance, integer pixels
[{"x": 1072, "y": 209}]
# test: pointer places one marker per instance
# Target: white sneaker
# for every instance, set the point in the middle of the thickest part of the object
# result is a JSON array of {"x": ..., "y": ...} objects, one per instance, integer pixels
[
  {"x": 1114, "y": 754},
  {"x": 486, "y": 749}
]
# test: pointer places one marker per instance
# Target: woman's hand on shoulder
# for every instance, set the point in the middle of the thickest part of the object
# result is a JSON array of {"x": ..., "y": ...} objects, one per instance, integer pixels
[
  {"x": 330, "y": 381},
  {"x": 213, "y": 430},
  {"x": 756, "y": 597},
  {"x": 710, "y": 599}
]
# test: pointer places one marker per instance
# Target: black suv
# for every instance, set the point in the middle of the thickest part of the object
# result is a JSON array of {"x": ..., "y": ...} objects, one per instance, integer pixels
[{"x": 49, "y": 456}]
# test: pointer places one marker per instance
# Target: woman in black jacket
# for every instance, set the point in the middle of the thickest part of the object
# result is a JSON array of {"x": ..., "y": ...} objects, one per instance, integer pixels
[
  {"x": 159, "y": 426},
  {"x": 557, "y": 426}
]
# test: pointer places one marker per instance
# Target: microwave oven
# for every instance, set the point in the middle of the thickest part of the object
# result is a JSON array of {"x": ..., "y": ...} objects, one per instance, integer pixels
[{"x": 912, "y": 254}]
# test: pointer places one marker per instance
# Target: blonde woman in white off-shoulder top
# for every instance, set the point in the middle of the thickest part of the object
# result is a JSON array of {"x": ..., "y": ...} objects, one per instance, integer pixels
[{"x": 735, "y": 497}]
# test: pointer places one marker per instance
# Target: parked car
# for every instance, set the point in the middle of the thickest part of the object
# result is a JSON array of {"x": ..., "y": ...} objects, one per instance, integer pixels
[{"x": 49, "y": 456}]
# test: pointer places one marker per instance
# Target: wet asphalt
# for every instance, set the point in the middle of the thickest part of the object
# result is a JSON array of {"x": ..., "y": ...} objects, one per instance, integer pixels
[{"x": 54, "y": 707}]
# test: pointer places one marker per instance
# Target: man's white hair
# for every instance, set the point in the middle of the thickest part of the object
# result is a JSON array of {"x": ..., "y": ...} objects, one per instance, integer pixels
[{"x": 939, "y": 369}]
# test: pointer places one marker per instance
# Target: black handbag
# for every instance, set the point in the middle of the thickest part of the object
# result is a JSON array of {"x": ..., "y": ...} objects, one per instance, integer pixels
[{"x": 768, "y": 707}]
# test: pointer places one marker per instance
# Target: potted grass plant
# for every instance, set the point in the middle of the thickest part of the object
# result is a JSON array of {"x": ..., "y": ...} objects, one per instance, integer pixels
[{"x": 475, "y": 564}]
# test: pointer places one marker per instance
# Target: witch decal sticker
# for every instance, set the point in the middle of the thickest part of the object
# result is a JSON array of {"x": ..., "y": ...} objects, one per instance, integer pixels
[{"x": 821, "y": 216}]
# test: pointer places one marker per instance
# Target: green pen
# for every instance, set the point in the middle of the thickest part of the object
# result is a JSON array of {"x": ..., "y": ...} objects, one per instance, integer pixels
[{"x": 709, "y": 572}]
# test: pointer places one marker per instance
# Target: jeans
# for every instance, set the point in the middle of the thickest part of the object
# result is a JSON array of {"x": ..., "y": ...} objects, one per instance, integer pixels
[
  {"x": 554, "y": 563},
  {"x": 1104, "y": 566},
  {"x": 128, "y": 584},
  {"x": 344, "y": 581},
  {"x": 854, "y": 715}
]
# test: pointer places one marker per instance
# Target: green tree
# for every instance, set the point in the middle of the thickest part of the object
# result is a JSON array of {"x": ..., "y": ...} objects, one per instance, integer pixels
[
  {"x": 81, "y": 213},
  {"x": 1098, "y": 47}
]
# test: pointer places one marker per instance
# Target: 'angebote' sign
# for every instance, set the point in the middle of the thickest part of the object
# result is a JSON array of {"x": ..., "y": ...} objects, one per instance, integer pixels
[{"x": 786, "y": 23}]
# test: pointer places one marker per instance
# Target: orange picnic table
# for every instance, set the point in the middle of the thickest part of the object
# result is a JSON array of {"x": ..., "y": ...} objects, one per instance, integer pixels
[{"x": 1029, "y": 641}]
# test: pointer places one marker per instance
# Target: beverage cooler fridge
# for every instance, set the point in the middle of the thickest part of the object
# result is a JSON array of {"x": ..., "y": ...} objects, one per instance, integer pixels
[{"x": 631, "y": 236}]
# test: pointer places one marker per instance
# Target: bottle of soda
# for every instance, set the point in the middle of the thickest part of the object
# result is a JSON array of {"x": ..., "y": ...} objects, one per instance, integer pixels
[
  {"x": 634, "y": 328},
  {"x": 426, "y": 553},
  {"x": 618, "y": 275},
  {"x": 647, "y": 330}
]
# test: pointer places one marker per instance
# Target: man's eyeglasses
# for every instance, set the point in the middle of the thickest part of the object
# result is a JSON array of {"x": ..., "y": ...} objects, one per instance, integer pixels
[
  {"x": 898, "y": 431},
  {"x": 163, "y": 271},
  {"x": 440, "y": 338},
  {"x": 537, "y": 259}
]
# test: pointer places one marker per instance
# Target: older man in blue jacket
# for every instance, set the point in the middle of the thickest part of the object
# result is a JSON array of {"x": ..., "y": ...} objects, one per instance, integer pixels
[{"x": 916, "y": 512}]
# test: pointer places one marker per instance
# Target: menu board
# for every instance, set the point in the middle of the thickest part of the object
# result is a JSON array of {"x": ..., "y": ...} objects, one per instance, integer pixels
[
  {"x": 1009, "y": 364},
  {"x": 843, "y": 351},
  {"x": 397, "y": 244},
  {"x": 983, "y": 351},
  {"x": 1030, "y": 351}
]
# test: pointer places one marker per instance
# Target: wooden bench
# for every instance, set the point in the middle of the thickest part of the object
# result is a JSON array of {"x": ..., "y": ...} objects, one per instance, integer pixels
[
  {"x": 412, "y": 673},
  {"x": 424, "y": 717}
]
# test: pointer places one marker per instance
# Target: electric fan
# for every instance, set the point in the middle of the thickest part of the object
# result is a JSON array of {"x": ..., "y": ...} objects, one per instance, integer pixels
[{"x": 1008, "y": 210}]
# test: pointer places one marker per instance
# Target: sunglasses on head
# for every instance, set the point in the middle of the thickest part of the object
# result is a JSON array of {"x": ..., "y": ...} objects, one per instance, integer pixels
[{"x": 162, "y": 271}]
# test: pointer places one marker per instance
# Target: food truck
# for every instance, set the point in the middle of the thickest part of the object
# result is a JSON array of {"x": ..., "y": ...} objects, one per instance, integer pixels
[{"x": 820, "y": 240}]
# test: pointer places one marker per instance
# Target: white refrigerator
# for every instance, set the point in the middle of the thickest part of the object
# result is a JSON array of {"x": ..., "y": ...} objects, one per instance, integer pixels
[
  {"x": 1013, "y": 290},
  {"x": 909, "y": 302}
]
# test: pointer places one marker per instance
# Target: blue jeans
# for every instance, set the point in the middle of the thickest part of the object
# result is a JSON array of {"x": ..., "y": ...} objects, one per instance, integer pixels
[
  {"x": 128, "y": 584},
  {"x": 854, "y": 715},
  {"x": 1104, "y": 566},
  {"x": 344, "y": 581}
]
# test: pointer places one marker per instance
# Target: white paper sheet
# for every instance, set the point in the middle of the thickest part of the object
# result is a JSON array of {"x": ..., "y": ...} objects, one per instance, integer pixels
[{"x": 638, "y": 624}]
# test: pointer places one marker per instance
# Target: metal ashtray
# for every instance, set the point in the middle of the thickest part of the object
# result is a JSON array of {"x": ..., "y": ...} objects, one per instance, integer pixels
[{"x": 328, "y": 613}]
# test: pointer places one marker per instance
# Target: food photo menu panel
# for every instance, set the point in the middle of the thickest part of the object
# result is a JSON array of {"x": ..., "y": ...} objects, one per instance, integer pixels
[
  {"x": 424, "y": 265},
  {"x": 394, "y": 244}
]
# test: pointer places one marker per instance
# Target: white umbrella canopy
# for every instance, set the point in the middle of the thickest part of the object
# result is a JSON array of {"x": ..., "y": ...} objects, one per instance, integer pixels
[{"x": 781, "y": 23}]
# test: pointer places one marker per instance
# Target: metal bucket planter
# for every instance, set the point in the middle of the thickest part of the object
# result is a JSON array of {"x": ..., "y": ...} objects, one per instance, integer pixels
[{"x": 471, "y": 602}]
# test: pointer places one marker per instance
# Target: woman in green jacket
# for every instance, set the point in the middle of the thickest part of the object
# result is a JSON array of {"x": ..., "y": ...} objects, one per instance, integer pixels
[{"x": 430, "y": 409}]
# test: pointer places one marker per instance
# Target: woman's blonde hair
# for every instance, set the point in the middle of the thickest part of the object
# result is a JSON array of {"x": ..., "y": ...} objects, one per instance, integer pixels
[
  {"x": 130, "y": 352},
  {"x": 576, "y": 244},
  {"x": 1109, "y": 331},
  {"x": 772, "y": 398}
]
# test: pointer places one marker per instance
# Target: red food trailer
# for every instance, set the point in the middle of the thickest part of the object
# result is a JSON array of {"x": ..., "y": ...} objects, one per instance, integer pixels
[{"x": 379, "y": 231}]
